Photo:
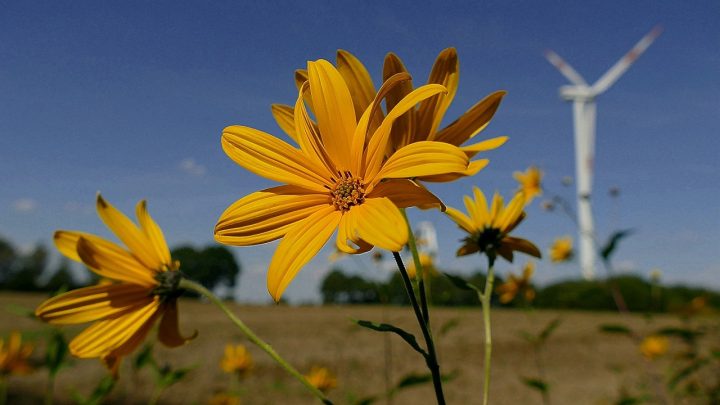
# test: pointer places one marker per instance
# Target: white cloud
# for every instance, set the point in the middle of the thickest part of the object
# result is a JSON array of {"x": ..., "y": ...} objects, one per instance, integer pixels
[
  {"x": 190, "y": 166},
  {"x": 25, "y": 205}
]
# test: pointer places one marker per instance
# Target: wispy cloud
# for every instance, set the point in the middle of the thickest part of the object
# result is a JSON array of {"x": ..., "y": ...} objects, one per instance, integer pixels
[
  {"x": 190, "y": 166},
  {"x": 25, "y": 205}
]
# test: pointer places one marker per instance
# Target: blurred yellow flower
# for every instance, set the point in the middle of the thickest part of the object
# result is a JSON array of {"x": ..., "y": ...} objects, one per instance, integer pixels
[
  {"x": 145, "y": 288},
  {"x": 518, "y": 285},
  {"x": 530, "y": 182},
  {"x": 561, "y": 249},
  {"x": 654, "y": 346},
  {"x": 427, "y": 263},
  {"x": 14, "y": 355},
  {"x": 339, "y": 179},
  {"x": 419, "y": 123},
  {"x": 489, "y": 226},
  {"x": 237, "y": 360},
  {"x": 224, "y": 399},
  {"x": 321, "y": 378}
]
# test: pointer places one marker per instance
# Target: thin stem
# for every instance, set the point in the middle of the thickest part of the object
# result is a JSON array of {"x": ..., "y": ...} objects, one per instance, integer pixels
[
  {"x": 191, "y": 285},
  {"x": 50, "y": 389},
  {"x": 431, "y": 358},
  {"x": 419, "y": 270},
  {"x": 485, "y": 304},
  {"x": 155, "y": 396}
]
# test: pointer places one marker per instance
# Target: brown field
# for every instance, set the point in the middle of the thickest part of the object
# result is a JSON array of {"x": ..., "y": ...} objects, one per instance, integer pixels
[{"x": 582, "y": 365}]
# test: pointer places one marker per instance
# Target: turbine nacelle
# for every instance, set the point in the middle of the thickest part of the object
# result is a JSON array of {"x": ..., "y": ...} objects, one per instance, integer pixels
[{"x": 577, "y": 93}]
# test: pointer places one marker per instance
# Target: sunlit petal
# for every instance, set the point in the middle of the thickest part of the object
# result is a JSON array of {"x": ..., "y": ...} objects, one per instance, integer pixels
[
  {"x": 379, "y": 222},
  {"x": 483, "y": 146},
  {"x": 153, "y": 233},
  {"x": 423, "y": 159},
  {"x": 122, "y": 267},
  {"x": 461, "y": 219},
  {"x": 358, "y": 80},
  {"x": 283, "y": 115},
  {"x": 406, "y": 193},
  {"x": 432, "y": 110},
  {"x": 472, "y": 122}
]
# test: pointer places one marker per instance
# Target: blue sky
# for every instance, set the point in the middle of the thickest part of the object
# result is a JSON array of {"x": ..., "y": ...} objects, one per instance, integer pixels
[{"x": 130, "y": 99}]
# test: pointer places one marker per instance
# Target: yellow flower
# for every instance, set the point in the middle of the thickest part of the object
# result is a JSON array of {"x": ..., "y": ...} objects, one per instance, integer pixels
[
  {"x": 224, "y": 399},
  {"x": 427, "y": 263},
  {"x": 14, "y": 355},
  {"x": 144, "y": 289},
  {"x": 237, "y": 359},
  {"x": 530, "y": 182},
  {"x": 321, "y": 378},
  {"x": 419, "y": 123},
  {"x": 489, "y": 226},
  {"x": 654, "y": 346},
  {"x": 517, "y": 285},
  {"x": 338, "y": 179},
  {"x": 561, "y": 249}
]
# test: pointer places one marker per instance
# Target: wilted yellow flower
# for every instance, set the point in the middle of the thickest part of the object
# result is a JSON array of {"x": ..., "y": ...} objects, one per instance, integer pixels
[
  {"x": 530, "y": 182},
  {"x": 321, "y": 378},
  {"x": 14, "y": 355},
  {"x": 237, "y": 359},
  {"x": 517, "y": 285},
  {"x": 427, "y": 263},
  {"x": 339, "y": 179},
  {"x": 489, "y": 226},
  {"x": 224, "y": 399},
  {"x": 419, "y": 123},
  {"x": 145, "y": 288},
  {"x": 654, "y": 346},
  {"x": 561, "y": 249}
]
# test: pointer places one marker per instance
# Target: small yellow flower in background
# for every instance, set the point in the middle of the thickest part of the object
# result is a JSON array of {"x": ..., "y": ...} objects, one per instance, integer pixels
[
  {"x": 14, "y": 355},
  {"x": 530, "y": 182},
  {"x": 426, "y": 261},
  {"x": 321, "y": 378},
  {"x": 654, "y": 346},
  {"x": 655, "y": 276},
  {"x": 419, "y": 123},
  {"x": 339, "y": 178},
  {"x": 144, "y": 288},
  {"x": 237, "y": 360},
  {"x": 561, "y": 249},
  {"x": 518, "y": 285},
  {"x": 224, "y": 399},
  {"x": 489, "y": 226}
]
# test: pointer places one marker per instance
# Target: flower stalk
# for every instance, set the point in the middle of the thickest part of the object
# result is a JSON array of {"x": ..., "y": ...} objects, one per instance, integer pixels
[
  {"x": 485, "y": 304},
  {"x": 198, "y": 288}
]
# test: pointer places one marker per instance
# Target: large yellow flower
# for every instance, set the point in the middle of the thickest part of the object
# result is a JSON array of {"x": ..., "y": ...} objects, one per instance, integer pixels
[
  {"x": 489, "y": 226},
  {"x": 144, "y": 288},
  {"x": 421, "y": 123},
  {"x": 338, "y": 179},
  {"x": 14, "y": 355},
  {"x": 518, "y": 285}
]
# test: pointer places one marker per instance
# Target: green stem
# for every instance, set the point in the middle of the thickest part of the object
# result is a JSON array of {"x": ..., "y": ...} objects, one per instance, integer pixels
[
  {"x": 50, "y": 389},
  {"x": 155, "y": 396},
  {"x": 191, "y": 285},
  {"x": 431, "y": 358},
  {"x": 419, "y": 270},
  {"x": 485, "y": 304}
]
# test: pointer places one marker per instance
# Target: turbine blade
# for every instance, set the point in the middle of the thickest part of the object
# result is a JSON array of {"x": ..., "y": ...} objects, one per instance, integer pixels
[
  {"x": 614, "y": 73},
  {"x": 565, "y": 68}
]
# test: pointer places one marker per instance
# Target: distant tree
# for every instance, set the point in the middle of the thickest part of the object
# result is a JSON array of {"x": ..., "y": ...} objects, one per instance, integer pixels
[
  {"x": 62, "y": 278},
  {"x": 29, "y": 269},
  {"x": 8, "y": 257},
  {"x": 211, "y": 267},
  {"x": 339, "y": 288}
]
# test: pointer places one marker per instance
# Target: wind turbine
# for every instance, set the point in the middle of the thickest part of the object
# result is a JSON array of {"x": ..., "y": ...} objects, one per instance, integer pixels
[{"x": 583, "y": 96}]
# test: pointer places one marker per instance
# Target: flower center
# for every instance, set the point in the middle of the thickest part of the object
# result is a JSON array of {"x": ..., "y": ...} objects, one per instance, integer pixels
[
  {"x": 488, "y": 239},
  {"x": 168, "y": 284},
  {"x": 348, "y": 191}
]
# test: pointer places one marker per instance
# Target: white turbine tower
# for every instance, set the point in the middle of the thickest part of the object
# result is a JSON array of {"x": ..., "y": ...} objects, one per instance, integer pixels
[{"x": 583, "y": 96}]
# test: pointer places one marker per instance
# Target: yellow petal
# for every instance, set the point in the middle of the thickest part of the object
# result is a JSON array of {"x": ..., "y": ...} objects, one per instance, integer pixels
[
  {"x": 432, "y": 110},
  {"x": 135, "y": 239},
  {"x": 462, "y": 220},
  {"x": 334, "y": 111},
  {"x": 481, "y": 206},
  {"x": 473, "y": 168},
  {"x": 169, "y": 331},
  {"x": 308, "y": 137},
  {"x": 403, "y": 127},
  {"x": 406, "y": 193},
  {"x": 298, "y": 247},
  {"x": 522, "y": 245},
  {"x": 357, "y": 79},
  {"x": 473, "y": 212},
  {"x": 153, "y": 233},
  {"x": 301, "y": 76},
  {"x": 512, "y": 212},
  {"x": 114, "y": 265},
  {"x": 377, "y": 145},
  {"x": 345, "y": 234},
  {"x": 283, "y": 115},
  {"x": 472, "y": 122},
  {"x": 269, "y": 157},
  {"x": 103, "y": 337},
  {"x": 423, "y": 158},
  {"x": 267, "y": 215},
  {"x": 92, "y": 303},
  {"x": 66, "y": 243},
  {"x": 495, "y": 210},
  {"x": 486, "y": 145},
  {"x": 379, "y": 222}
]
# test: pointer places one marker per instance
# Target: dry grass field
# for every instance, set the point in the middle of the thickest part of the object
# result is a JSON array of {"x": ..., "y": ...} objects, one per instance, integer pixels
[{"x": 583, "y": 366}]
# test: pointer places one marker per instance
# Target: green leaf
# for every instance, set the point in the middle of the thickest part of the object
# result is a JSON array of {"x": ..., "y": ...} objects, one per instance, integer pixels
[
  {"x": 686, "y": 334},
  {"x": 366, "y": 401},
  {"x": 144, "y": 357},
  {"x": 615, "y": 328},
  {"x": 384, "y": 327},
  {"x": 536, "y": 383},
  {"x": 171, "y": 377},
  {"x": 56, "y": 352},
  {"x": 461, "y": 283},
  {"x": 612, "y": 243},
  {"x": 448, "y": 326},
  {"x": 20, "y": 310},
  {"x": 411, "y": 380},
  {"x": 687, "y": 371},
  {"x": 549, "y": 329}
]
